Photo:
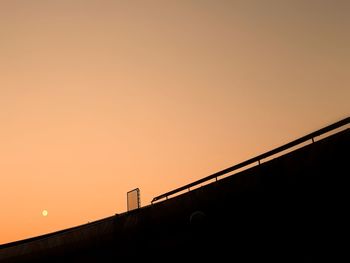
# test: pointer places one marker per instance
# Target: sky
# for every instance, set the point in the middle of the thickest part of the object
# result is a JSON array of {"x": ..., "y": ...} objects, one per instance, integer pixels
[{"x": 100, "y": 97}]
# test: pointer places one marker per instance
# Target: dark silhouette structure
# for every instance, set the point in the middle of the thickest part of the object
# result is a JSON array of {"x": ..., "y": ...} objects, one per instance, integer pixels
[{"x": 288, "y": 209}]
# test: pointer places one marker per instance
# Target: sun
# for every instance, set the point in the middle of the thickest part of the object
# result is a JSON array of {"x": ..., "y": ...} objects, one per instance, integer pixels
[{"x": 44, "y": 212}]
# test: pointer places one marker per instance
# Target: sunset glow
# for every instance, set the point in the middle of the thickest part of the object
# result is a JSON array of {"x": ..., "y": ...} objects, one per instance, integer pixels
[{"x": 101, "y": 97}]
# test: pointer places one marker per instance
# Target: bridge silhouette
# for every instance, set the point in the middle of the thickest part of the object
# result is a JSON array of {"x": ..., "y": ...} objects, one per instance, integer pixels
[{"x": 286, "y": 205}]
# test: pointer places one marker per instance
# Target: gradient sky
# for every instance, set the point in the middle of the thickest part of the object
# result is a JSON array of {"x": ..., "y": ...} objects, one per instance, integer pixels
[{"x": 100, "y": 97}]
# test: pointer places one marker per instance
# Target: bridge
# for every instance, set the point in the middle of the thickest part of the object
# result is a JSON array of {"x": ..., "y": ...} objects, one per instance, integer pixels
[{"x": 286, "y": 205}]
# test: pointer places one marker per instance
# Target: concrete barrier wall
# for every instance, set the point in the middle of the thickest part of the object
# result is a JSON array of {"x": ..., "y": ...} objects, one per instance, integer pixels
[{"x": 273, "y": 210}]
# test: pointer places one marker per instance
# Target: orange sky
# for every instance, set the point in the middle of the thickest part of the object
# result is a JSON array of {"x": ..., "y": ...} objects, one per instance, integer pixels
[{"x": 100, "y": 97}]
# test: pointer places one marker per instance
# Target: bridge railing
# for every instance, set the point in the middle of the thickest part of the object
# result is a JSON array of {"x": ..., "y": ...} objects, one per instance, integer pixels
[{"x": 258, "y": 158}]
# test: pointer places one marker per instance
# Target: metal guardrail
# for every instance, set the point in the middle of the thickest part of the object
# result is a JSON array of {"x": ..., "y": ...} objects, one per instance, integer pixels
[{"x": 258, "y": 158}]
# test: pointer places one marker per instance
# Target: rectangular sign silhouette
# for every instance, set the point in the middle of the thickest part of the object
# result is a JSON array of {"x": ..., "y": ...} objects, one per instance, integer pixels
[{"x": 133, "y": 199}]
